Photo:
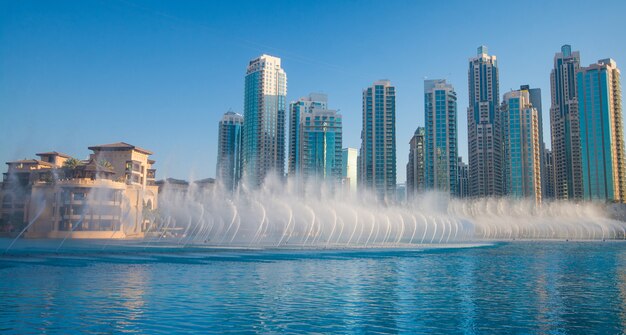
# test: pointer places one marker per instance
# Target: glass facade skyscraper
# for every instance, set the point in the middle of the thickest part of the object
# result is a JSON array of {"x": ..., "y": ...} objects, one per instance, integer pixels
[
  {"x": 415, "y": 166},
  {"x": 296, "y": 110},
  {"x": 565, "y": 125},
  {"x": 264, "y": 119},
  {"x": 601, "y": 132},
  {"x": 441, "y": 147},
  {"x": 484, "y": 126},
  {"x": 522, "y": 149},
  {"x": 378, "y": 140},
  {"x": 321, "y": 144},
  {"x": 229, "y": 150}
]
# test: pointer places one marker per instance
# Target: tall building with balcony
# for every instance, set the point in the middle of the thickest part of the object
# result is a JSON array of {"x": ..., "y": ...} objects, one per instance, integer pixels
[
  {"x": 349, "y": 168},
  {"x": 415, "y": 166},
  {"x": 440, "y": 140},
  {"x": 228, "y": 171},
  {"x": 535, "y": 100},
  {"x": 602, "y": 132},
  {"x": 264, "y": 119},
  {"x": 296, "y": 111},
  {"x": 484, "y": 126},
  {"x": 105, "y": 196},
  {"x": 378, "y": 141},
  {"x": 565, "y": 125},
  {"x": 522, "y": 149}
]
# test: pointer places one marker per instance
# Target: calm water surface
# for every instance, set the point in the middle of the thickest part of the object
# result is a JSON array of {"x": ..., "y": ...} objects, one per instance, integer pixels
[{"x": 505, "y": 288}]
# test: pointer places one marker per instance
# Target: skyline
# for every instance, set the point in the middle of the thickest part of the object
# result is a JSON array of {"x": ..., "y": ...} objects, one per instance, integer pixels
[{"x": 162, "y": 67}]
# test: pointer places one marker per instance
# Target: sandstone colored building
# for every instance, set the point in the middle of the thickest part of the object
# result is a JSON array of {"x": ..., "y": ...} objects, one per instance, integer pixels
[{"x": 106, "y": 196}]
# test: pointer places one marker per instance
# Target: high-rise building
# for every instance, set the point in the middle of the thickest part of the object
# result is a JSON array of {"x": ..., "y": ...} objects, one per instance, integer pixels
[
  {"x": 296, "y": 110},
  {"x": 522, "y": 149},
  {"x": 462, "y": 189},
  {"x": 601, "y": 132},
  {"x": 228, "y": 170},
  {"x": 264, "y": 119},
  {"x": 415, "y": 166},
  {"x": 535, "y": 100},
  {"x": 378, "y": 140},
  {"x": 548, "y": 185},
  {"x": 321, "y": 141},
  {"x": 441, "y": 148},
  {"x": 349, "y": 167},
  {"x": 565, "y": 125},
  {"x": 484, "y": 126}
]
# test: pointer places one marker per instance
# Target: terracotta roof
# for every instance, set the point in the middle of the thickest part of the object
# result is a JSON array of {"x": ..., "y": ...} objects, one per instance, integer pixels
[
  {"x": 31, "y": 161},
  {"x": 119, "y": 145},
  {"x": 54, "y": 153}
]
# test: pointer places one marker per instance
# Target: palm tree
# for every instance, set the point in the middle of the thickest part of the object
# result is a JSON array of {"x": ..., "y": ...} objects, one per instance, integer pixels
[
  {"x": 103, "y": 163},
  {"x": 71, "y": 163}
]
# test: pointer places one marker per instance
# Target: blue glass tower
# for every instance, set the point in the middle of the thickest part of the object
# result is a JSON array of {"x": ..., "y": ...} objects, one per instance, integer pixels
[
  {"x": 297, "y": 110},
  {"x": 378, "y": 141},
  {"x": 601, "y": 132},
  {"x": 229, "y": 150},
  {"x": 441, "y": 148}
]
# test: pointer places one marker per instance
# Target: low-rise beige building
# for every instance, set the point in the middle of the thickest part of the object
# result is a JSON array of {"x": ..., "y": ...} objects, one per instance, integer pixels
[{"x": 106, "y": 196}]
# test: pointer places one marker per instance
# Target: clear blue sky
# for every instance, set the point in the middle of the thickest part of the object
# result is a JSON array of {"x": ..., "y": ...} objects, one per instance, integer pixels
[{"x": 159, "y": 74}]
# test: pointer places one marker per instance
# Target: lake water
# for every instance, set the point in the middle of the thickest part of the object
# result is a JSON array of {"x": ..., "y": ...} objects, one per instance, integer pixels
[{"x": 126, "y": 287}]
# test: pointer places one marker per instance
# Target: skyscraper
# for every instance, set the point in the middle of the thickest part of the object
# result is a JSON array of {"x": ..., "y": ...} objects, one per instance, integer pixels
[
  {"x": 228, "y": 170},
  {"x": 548, "y": 185},
  {"x": 565, "y": 125},
  {"x": 415, "y": 166},
  {"x": 349, "y": 167},
  {"x": 296, "y": 110},
  {"x": 601, "y": 132},
  {"x": 484, "y": 128},
  {"x": 462, "y": 189},
  {"x": 441, "y": 152},
  {"x": 535, "y": 100},
  {"x": 321, "y": 139},
  {"x": 264, "y": 119},
  {"x": 522, "y": 150},
  {"x": 378, "y": 140}
]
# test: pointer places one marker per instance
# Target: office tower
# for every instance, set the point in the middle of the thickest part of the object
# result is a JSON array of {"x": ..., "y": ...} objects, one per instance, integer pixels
[
  {"x": 441, "y": 152},
  {"x": 378, "y": 140},
  {"x": 228, "y": 170},
  {"x": 535, "y": 100},
  {"x": 415, "y": 166},
  {"x": 565, "y": 125},
  {"x": 601, "y": 132},
  {"x": 296, "y": 110},
  {"x": 548, "y": 185},
  {"x": 522, "y": 151},
  {"x": 264, "y": 119},
  {"x": 462, "y": 188},
  {"x": 321, "y": 142},
  {"x": 484, "y": 128},
  {"x": 349, "y": 168}
]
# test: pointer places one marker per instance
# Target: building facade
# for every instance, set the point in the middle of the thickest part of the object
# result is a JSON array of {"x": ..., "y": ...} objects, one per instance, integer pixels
[
  {"x": 462, "y": 189},
  {"x": 484, "y": 126},
  {"x": 601, "y": 132},
  {"x": 415, "y": 167},
  {"x": 321, "y": 143},
  {"x": 229, "y": 144},
  {"x": 522, "y": 149},
  {"x": 297, "y": 110},
  {"x": 107, "y": 196},
  {"x": 349, "y": 168},
  {"x": 264, "y": 119},
  {"x": 548, "y": 176},
  {"x": 378, "y": 141},
  {"x": 440, "y": 140},
  {"x": 565, "y": 125}
]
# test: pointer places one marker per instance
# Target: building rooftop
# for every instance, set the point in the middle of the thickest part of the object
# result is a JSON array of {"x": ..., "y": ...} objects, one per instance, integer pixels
[
  {"x": 30, "y": 161},
  {"x": 53, "y": 153},
  {"x": 119, "y": 146}
]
